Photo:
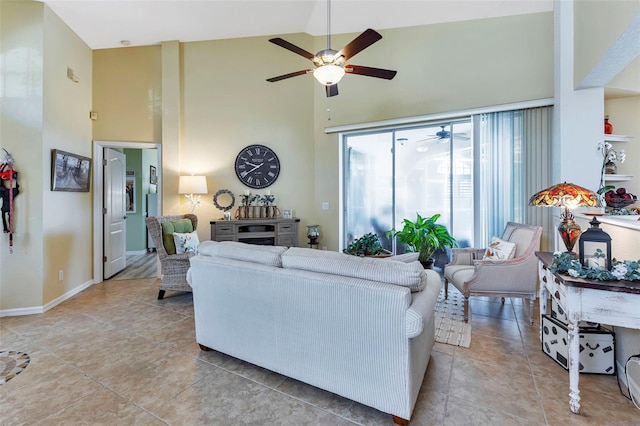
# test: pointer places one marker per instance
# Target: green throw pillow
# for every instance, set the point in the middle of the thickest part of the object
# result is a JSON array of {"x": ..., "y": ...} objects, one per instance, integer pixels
[{"x": 168, "y": 228}]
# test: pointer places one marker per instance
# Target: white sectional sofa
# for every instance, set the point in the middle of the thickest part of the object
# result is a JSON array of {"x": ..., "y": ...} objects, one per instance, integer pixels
[{"x": 361, "y": 328}]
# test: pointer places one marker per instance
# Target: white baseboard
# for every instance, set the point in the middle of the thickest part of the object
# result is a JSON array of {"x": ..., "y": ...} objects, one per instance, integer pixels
[
  {"x": 21, "y": 311},
  {"x": 42, "y": 309},
  {"x": 136, "y": 252}
]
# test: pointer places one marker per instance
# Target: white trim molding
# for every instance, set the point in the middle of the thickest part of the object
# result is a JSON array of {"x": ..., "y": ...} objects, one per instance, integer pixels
[{"x": 397, "y": 122}]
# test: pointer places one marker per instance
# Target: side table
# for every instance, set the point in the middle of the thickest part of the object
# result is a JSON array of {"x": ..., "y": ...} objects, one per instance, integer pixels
[{"x": 607, "y": 302}]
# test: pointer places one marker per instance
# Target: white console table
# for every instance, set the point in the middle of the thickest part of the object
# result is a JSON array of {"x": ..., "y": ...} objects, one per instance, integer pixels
[{"x": 607, "y": 302}]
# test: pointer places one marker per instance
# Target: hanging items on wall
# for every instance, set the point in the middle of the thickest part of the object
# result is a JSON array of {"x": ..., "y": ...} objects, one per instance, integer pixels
[{"x": 8, "y": 192}]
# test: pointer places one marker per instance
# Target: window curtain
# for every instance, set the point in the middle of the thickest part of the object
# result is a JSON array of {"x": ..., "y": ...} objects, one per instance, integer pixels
[{"x": 513, "y": 151}]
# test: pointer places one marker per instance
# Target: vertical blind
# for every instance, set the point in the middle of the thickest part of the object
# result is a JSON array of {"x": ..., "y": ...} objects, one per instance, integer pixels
[{"x": 513, "y": 155}]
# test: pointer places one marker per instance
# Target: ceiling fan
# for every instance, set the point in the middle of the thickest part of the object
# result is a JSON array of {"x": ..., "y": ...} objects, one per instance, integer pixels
[
  {"x": 330, "y": 65},
  {"x": 443, "y": 136}
]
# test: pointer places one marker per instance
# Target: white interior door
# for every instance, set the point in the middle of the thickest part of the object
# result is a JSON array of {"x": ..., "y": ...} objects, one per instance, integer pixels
[{"x": 115, "y": 241}]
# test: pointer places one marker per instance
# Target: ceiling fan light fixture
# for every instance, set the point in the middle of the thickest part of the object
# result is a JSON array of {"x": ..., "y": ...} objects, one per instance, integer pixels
[{"x": 328, "y": 74}]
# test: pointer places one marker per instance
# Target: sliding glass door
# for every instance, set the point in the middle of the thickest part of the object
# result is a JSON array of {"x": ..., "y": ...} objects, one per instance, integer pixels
[
  {"x": 396, "y": 174},
  {"x": 477, "y": 173}
]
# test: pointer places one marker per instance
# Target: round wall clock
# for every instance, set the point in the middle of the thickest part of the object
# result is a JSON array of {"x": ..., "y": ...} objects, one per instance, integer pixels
[{"x": 257, "y": 166}]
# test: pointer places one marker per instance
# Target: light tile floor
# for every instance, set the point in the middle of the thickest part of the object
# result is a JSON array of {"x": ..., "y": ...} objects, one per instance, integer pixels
[{"x": 113, "y": 354}]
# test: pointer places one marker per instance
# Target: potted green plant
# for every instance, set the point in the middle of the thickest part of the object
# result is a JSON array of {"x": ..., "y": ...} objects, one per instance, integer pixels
[
  {"x": 367, "y": 245},
  {"x": 424, "y": 236}
]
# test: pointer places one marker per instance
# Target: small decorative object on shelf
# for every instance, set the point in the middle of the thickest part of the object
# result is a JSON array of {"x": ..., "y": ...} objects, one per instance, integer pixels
[
  {"x": 609, "y": 167},
  {"x": 618, "y": 198},
  {"x": 608, "y": 127},
  {"x": 249, "y": 210}
]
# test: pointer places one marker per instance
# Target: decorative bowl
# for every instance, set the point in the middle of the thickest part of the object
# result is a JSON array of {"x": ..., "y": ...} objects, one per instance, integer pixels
[{"x": 619, "y": 202}]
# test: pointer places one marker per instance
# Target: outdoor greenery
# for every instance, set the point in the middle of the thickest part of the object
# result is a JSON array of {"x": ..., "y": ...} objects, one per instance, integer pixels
[
  {"x": 367, "y": 245},
  {"x": 424, "y": 236},
  {"x": 566, "y": 263}
]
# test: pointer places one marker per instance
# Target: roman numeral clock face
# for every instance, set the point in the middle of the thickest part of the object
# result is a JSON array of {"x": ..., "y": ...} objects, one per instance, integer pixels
[{"x": 257, "y": 166}]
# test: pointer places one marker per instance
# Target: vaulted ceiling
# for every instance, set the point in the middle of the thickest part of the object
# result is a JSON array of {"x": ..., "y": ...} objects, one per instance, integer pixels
[{"x": 106, "y": 23}]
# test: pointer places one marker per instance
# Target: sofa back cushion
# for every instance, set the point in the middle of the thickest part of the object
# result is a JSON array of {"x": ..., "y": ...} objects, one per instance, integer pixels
[
  {"x": 181, "y": 226},
  {"x": 387, "y": 271},
  {"x": 265, "y": 255}
]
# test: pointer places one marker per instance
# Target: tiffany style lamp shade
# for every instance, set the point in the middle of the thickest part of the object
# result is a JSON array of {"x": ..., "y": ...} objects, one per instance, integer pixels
[{"x": 569, "y": 196}]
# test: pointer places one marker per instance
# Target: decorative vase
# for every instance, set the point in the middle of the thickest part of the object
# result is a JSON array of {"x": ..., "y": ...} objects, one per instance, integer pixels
[
  {"x": 608, "y": 127},
  {"x": 610, "y": 168},
  {"x": 313, "y": 234}
]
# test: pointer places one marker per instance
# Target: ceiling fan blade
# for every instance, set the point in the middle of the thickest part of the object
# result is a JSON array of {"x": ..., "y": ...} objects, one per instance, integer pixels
[
  {"x": 357, "y": 45},
  {"x": 292, "y": 47},
  {"x": 332, "y": 90},
  {"x": 293, "y": 74},
  {"x": 370, "y": 71}
]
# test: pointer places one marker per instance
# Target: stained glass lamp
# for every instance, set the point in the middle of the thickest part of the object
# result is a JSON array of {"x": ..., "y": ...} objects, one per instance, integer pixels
[{"x": 569, "y": 196}]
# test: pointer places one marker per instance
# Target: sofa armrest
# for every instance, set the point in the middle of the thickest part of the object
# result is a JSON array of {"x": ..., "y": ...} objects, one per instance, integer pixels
[{"x": 422, "y": 305}]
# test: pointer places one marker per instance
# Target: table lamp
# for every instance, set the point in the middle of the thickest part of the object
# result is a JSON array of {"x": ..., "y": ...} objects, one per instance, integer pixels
[
  {"x": 191, "y": 185},
  {"x": 569, "y": 196}
]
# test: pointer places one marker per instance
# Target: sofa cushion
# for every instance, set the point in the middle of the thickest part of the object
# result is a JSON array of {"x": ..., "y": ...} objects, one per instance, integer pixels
[
  {"x": 266, "y": 255},
  {"x": 168, "y": 228},
  {"x": 329, "y": 262}
]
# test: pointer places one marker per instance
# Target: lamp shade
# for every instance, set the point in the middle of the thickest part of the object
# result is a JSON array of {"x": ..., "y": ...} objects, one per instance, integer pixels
[
  {"x": 328, "y": 74},
  {"x": 569, "y": 196},
  {"x": 192, "y": 185},
  {"x": 564, "y": 195}
]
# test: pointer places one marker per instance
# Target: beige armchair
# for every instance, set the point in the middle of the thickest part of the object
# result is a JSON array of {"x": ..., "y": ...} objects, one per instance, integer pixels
[
  {"x": 516, "y": 277},
  {"x": 174, "y": 266}
]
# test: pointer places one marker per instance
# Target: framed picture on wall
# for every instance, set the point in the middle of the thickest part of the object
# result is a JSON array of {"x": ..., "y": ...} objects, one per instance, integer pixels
[
  {"x": 130, "y": 185},
  {"x": 153, "y": 177},
  {"x": 70, "y": 172}
]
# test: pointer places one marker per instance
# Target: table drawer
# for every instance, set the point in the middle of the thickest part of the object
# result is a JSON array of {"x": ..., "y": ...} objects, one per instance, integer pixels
[
  {"x": 225, "y": 229},
  {"x": 285, "y": 227}
]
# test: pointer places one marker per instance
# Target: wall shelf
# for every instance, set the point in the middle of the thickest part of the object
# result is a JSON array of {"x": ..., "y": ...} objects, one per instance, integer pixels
[
  {"x": 617, "y": 178},
  {"x": 617, "y": 138}
]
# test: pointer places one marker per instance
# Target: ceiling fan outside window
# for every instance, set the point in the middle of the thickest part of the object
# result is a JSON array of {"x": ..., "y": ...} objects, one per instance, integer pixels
[
  {"x": 443, "y": 136},
  {"x": 330, "y": 65}
]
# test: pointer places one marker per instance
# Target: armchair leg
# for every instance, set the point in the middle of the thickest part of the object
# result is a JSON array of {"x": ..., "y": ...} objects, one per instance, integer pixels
[
  {"x": 160, "y": 294},
  {"x": 466, "y": 308},
  {"x": 502, "y": 300},
  {"x": 446, "y": 288}
]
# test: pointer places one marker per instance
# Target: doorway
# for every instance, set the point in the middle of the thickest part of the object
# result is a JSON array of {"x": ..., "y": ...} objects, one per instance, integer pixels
[{"x": 98, "y": 195}]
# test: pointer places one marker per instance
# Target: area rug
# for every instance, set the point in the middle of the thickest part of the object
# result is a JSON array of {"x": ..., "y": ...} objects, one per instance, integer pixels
[
  {"x": 450, "y": 326},
  {"x": 12, "y": 363}
]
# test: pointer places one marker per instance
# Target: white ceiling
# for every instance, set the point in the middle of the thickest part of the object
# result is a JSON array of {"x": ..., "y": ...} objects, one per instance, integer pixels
[{"x": 105, "y": 23}]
